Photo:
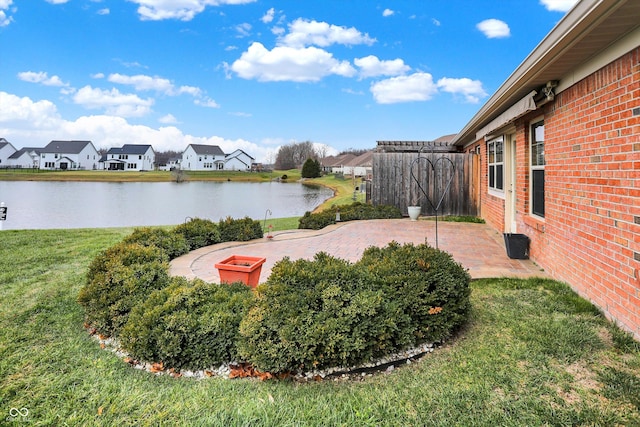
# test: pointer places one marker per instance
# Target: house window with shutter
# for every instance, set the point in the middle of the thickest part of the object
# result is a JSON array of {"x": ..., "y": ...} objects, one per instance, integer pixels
[{"x": 537, "y": 169}]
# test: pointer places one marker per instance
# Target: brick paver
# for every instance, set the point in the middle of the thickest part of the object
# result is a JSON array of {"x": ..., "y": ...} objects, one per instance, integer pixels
[{"x": 477, "y": 247}]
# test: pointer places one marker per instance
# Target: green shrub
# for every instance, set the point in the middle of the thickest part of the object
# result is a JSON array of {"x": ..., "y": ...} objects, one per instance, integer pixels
[
  {"x": 117, "y": 280},
  {"x": 199, "y": 233},
  {"x": 428, "y": 284},
  {"x": 328, "y": 312},
  {"x": 239, "y": 230},
  {"x": 174, "y": 244},
  {"x": 188, "y": 325},
  {"x": 352, "y": 212}
]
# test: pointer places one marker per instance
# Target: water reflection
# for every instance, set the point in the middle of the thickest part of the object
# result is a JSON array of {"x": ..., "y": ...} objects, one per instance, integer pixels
[{"x": 44, "y": 205}]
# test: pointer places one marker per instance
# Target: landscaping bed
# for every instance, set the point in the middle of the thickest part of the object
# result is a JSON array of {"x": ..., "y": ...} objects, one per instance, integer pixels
[{"x": 309, "y": 315}]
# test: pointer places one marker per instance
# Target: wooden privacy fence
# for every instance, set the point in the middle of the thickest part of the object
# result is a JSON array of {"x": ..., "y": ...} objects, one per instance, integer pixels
[{"x": 392, "y": 182}]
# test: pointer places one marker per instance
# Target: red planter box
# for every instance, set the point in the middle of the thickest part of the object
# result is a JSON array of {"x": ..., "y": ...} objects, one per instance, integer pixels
[{"x": 238, "y": 268}]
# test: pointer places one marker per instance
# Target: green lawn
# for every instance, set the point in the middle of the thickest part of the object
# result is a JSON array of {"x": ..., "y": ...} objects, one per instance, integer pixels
[{"x": 532, "y": 353}]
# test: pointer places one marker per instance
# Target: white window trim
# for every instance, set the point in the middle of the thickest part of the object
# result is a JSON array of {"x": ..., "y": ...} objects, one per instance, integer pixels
[
  {"x": 532, "y": 167},
  {"x": 492, "y": 190}
]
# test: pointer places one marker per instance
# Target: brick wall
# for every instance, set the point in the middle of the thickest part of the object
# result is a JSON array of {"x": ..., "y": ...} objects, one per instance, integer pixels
[
  {"x": 592, "y": 224},
  {"x": 590, "y": 236}
]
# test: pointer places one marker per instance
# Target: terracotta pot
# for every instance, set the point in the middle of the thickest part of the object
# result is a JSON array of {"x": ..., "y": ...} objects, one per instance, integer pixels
[{"x": 239, "y": 268}]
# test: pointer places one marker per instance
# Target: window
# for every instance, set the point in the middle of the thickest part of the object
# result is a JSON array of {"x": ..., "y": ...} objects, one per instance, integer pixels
[
  {"x": 495, "y": 149},
  {"x": 537, "y": 169}
]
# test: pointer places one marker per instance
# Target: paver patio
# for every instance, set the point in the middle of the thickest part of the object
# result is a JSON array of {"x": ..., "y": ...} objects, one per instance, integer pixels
[{"x": 477, "y": 247}]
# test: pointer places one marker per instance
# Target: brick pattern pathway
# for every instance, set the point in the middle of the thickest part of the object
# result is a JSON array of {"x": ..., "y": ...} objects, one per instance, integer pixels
[{"x": 477, "y": 247}]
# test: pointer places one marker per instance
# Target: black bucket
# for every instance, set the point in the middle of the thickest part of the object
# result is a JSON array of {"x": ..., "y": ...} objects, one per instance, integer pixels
[{"x": 517, "y": 245}]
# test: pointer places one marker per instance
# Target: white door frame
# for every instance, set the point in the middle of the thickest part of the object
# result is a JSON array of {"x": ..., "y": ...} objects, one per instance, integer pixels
[{"x": 510, "y": 223}]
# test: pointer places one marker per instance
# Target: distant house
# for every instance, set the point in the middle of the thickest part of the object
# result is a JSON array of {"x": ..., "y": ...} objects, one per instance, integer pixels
[
  {"x": 27, "y": 157},
  {"x": 359, "y": 166},
  {"x": 201, "y": 157},
  {"x": 69, "y": 155},
  {"x": 6, "y": 150},
  {"x": 130, "y": 157},
  {"x": 238, "y": 161},
  {"x": 560, "y": 157},
  {"x": 335, "y": 164},
  {"x": 172, "y": 163}
]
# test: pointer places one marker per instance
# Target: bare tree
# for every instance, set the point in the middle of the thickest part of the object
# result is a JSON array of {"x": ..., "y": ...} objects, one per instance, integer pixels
[{"x": 292, "y": 156}]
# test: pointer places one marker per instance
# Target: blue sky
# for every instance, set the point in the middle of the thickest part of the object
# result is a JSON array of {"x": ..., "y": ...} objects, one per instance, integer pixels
[{"x": 256, "y": 74}]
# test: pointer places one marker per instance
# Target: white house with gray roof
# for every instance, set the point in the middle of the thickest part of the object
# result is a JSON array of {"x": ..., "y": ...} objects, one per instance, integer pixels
[
  {"x": 238, "y": 161},
  {"x": 201, "y": 157},
  {"x": 6, "y": 150},
  {"x": 26, "y": 157},
  {"x": 69, "y": 155},
  {"x": 129, "y": 157}
]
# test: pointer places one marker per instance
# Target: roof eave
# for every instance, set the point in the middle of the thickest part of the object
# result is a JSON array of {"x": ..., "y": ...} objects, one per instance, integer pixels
[{"x": 573, "y": 26}]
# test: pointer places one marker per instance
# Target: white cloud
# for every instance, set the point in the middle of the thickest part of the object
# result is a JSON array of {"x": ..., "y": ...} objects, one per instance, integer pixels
[
  {"x": 206, "y": 102},
  {"x": 387, "y": 12},
  {"x": 57, "y": 1},
  {"x": 352, "y": 92},
  {"x": 240, "y": 114},
  {"x": 23, "y": 113},
  {"x": 184, "y": 10},
  {"x": 4, "y": 18},
  {"x": 435, "y": 22},
  {"x": 305, "y": 33},
  {"x": 371, "y": 66},
  {"x": 285, "y": 63},
  {"x": 142, "y": 82},
  {"x": 104, "y": 11},
  {"x": 168, "y": 119},
  {"x": 268, "y": 16},
  {"x": 22, "y": 119},
  {"x": 471, "y": 89},
  {"x": 189, "y": 90},
  {"x": 414, "y": 87},
  {"x": 113, "y": 102},
  {"x": 42, "y": 78},
  {"x": 558, "y": 5},
  {"x": 494, "y": 28},
  {"x": 97, "y": 76},
  {"x": 278, "y": 31},
  {"x": 244, "y": 30}
]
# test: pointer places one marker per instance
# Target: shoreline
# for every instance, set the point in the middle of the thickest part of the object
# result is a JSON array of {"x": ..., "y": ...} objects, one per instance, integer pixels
[{"x": 342, "y": 192}]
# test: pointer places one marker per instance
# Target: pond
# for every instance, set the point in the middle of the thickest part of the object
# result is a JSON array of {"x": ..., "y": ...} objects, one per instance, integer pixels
[{"x": 48, "y": 205}]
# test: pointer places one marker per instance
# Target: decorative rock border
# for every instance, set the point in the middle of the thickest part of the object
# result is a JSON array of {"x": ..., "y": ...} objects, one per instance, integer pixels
[{"x": 226, "y": 371}]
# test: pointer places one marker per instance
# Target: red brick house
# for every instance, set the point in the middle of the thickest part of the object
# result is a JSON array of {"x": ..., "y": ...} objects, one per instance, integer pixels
[{"x": 559, "y": 144}]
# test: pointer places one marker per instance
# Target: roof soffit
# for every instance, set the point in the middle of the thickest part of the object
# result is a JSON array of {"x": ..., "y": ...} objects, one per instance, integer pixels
[{"x": 590, "y": 27}]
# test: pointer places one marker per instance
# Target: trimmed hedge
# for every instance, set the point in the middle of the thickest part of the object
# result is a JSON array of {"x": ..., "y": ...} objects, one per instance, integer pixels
[
  {"x": 188, "y": 325},
  {"x": 172, "y": 243},
  {"x": 423, "y": 280},
  {"x": 328, "y": 312},
  {"x": 118, "y": 279},
  {"x": 239, "y": 230},
  {"x": 199, "y": 233},
  {"x": 308, "y": 315},
  {"x": 352, "y": 212}
]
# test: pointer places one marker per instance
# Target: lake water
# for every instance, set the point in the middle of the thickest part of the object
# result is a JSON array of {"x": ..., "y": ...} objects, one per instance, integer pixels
[{"x": 46, "y": 205}]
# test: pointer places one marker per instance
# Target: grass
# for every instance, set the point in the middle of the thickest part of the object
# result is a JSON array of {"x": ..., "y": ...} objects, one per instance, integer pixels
[
  {"x": 533, "y": 353},
  {"x": 343, "y": 189}
]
